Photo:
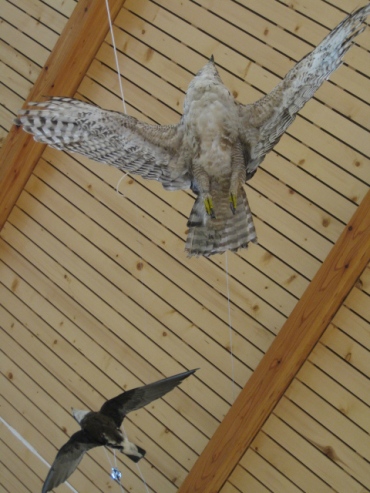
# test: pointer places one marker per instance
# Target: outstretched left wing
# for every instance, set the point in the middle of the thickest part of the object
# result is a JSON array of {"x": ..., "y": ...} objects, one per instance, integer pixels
[
  {"x": 133, "y": 399},
  {"x": 67, "y": 460},
  {"x": 109, "y": 137},
  {"x": 263, "y": 123}
]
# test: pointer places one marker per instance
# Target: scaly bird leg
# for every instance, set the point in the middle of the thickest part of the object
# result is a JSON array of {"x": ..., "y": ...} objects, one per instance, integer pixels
[
  {"x": 233, "y": 202},
  {"x": 208, "y": 204},
  {"x": 203, "y": 183},
  {"x": 238, "y": 175}
]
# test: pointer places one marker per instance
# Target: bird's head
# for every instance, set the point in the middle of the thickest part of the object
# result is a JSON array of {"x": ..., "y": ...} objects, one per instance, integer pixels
[
  {"x": 208, "y": 71},
  {"x": 206, "y": 82}
]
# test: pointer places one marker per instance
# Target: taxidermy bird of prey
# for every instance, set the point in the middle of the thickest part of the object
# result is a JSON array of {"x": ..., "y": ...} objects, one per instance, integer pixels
[
  {"x": 103, "y": 428},
  {"x": 214, "y": 149}
]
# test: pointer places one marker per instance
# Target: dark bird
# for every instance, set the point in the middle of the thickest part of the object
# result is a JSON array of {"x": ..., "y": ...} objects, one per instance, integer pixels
[
  {"x": 103, "y": 428},
  {"x": 214, "y": 149}
]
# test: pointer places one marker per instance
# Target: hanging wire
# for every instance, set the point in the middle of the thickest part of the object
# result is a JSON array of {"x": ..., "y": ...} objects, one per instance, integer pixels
[
  {"x": 115, "y": 56},
  {"x": 230, "y": 326},
  {"x": 115, "y": 474},
  {"x": 118, "y": 184},
  {"x": 119, "y": 79},
  {"x": 142, "y": 478},
  {"x": 137, "y": 465}
]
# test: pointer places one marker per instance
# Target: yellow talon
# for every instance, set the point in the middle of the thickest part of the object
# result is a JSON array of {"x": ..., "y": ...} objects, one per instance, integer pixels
[
  {"x": 233, "y": 203},
  {"x": 208, "y": 204}
]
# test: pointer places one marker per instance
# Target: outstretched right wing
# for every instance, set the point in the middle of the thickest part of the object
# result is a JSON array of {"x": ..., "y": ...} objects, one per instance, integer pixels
[
  {"x": 109, "y": 137},
  {"x": 133, "y": 399},
  {"x": 265, "y": 121},
  {"x": 67, "y": 460}
]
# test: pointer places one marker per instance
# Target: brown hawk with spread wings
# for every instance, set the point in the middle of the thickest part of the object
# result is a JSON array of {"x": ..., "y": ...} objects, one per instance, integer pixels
[{"x": 214, "y": 149}]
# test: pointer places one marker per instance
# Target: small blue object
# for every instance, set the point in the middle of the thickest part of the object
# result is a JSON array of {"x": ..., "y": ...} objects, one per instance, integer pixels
[{"x": 116, "y": 474}]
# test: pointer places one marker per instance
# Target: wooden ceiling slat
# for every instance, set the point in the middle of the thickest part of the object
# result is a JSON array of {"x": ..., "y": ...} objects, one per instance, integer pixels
[
  {"x": 47, "y": 15},
  {"x": 333, "y": 420},
  {"x": 335, "y": 394},
  {"x": 62, "y": 74},
  {"x": 29, "y": 25},
  {"x": 288, "y": 464},
  {"x": 353, "y": 325},
  {"x": 11, "y": 482},
  {"x": 266, "y": 473},
  {"x": 307, "y": 453},
  {"x": 298, "y": 336},
  {"x": 23, "y": 44},
  {"x": 347, "y": 348},
  {"x": 351, "y": 379},
  {"x": 20, "y": 85},
  {"x": 13, "y": 463},
  {"x": 349, "y": 468},
  {"x": 25, "y": 67},
  {"x": 6, "y": 115}
]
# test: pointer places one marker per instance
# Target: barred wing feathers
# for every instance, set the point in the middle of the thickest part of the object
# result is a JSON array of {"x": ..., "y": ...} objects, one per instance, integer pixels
[
  {"x": 109, "y": 137},
  {"x": 263, "y": 123}
]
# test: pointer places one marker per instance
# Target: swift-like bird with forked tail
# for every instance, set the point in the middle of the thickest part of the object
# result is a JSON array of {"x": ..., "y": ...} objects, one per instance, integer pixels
[{"x": 103, "y": 428}]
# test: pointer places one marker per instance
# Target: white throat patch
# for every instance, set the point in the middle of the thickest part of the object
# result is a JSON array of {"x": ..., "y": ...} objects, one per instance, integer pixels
[{"x": 79, "y": 414}]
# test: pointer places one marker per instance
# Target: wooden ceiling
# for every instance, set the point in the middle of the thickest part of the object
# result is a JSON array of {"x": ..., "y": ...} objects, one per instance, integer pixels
[{"x": 97, "y": 293}]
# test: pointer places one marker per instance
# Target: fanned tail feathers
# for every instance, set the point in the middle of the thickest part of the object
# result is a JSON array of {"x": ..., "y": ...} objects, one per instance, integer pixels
[{"x": 228, "y": 231}]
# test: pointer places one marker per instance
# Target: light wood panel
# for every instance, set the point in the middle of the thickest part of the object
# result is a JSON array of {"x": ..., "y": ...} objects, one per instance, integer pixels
[{"x": 97, "y": 294}]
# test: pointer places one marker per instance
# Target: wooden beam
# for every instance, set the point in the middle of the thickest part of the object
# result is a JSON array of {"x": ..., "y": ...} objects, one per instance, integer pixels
[
  {"x": 62, "y": 74},
  {"x": 288, "y": 352}
]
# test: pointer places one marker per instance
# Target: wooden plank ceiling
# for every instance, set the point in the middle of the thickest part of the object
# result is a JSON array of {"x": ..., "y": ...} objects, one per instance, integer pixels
[{"x": 97, "y": 293}]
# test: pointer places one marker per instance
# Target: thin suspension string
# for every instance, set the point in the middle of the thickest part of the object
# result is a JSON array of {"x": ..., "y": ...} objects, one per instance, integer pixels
[
  {"x": 31, "y": 448},
  {"x": 119, "y": 183},
  {"x": 120, "y": 86},
  {"x": 119, "y": 79},
  {"x": 142, "y": 478},
  {"x": 137, "y": 465},
  {"x": 124, "y": 176},
  {"x": 113, "y": 468},
  {"x": 115, "y": 56},
  {"x": 230, "y": 326}
]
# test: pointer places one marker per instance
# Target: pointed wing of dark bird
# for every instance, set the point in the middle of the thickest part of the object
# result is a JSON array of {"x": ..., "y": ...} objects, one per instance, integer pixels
[
  {"x": 109, "y": 137},
  {"x": 67, "y": 459},
  {"x": 264, "y": 122},
  {"x": 129, "y": 401}
]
